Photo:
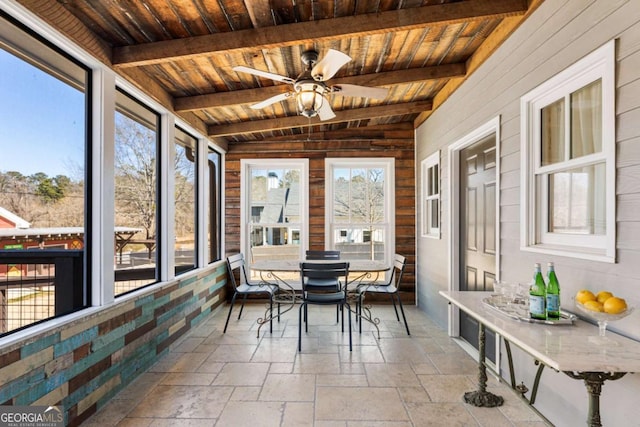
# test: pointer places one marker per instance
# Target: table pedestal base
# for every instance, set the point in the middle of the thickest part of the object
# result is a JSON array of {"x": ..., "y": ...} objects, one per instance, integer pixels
[{"x": 481, "y": 397}]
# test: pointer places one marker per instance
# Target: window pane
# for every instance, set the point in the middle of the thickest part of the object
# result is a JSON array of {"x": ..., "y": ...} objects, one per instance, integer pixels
[
  {"x": 552, "y": 135},
  {"x": 359, "y": 203},
  {"x": 185, "y": 201},
  {"x": 359, "y": 212},
  {"x": 577, "y": 201},
  {"x": 359, "y": 195},
  {"x": 586, "y": 120},
  {"x": 44, "y": 123},
  {"x": 214, "y": 235},
  {"x": 360, "y": 242},
  {"x": 136, "y": 194},
  {"x": 275, "y": 213},
  {"x": 434, "y": 213},
  {"x": 341, "y": 195}
]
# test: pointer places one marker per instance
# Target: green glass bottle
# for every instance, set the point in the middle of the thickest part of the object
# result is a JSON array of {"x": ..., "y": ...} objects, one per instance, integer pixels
[
  {"x": 537, "y": 295},
  {"x": 553, "y": 294}
]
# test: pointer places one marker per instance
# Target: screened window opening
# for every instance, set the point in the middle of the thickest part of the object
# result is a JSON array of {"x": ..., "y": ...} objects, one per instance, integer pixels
[
  {"x": 136, "y": 194},
  {"x": 43, "y": 180},
  {"x": 185, "y": 191}
]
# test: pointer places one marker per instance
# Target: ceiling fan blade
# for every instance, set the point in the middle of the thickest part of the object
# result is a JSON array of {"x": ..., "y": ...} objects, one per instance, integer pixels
[
  {"x": 265, "y": 74},
  {"x": 272, "y": 100},
  {"x": 328, "y": 66},
  {"x": 362, "y": 91},
  {"x": 325, "y": 112}
]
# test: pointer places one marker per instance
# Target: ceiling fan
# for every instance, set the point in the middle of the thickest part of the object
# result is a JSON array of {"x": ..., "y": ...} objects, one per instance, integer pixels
[{"x": 310, "y": 88}]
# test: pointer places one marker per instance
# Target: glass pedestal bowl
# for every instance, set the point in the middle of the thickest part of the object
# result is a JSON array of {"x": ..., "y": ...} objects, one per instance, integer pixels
[{"x": 603, "y": 318}]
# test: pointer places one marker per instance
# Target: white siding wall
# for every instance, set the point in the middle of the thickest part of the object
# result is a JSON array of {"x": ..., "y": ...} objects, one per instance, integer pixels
[{"x": 555, "y": 36}]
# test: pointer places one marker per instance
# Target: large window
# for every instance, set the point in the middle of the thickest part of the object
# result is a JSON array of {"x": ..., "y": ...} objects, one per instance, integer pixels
[
  {"x": 275, "y": 210},
  {"x": 568, "y": 169},
  {"x": 136, "y": 193},
  {"x": 185, "y": 192},
  {"x": 431, "y": 196},
  {"x": 43, "y": 138},
  {"x": 359, "y": 208}
]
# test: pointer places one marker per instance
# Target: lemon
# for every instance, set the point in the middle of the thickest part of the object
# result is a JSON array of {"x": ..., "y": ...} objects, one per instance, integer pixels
[
  {"x": 585, "y": 295},
  {"x": 615, "y": 305},
  {"x": 593, "y": 306},
  {"x": 602, "y": 296}
]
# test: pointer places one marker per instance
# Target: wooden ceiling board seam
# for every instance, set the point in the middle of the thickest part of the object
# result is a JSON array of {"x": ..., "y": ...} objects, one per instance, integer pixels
[
  {"x": 236, "y": 15},
  {"x": 343, "y": 8},
  {"x": 113, "y": 23},
  {"x": 165, "y": 16},
  {"x": 204, "y": 17},
  {"x": 95, "y": 21},
  {"x": 259, "y": 13},
  {"x": 399, "y": 42},
  {"x": 409, "y": 50},
  {"x": 142, "y": 18},
  {"x": 213, "y": 10},
  {"x": 190, "y": 17},
  {"x": 215, "y": 79}
]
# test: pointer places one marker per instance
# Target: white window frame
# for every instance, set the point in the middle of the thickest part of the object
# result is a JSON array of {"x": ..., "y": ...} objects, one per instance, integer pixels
[
  {"x": 426, "y": 166},
  {"x": 598, "y": 65},
  {"x": 245, "y": 209},
  {"x": 386, "y": 163}
]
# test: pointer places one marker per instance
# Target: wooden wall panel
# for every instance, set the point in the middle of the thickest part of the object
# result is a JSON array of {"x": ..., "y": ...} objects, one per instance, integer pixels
[{"x": 402, "y": 149}]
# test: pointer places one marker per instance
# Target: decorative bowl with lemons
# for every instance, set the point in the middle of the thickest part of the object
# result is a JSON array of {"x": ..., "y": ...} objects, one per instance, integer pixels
[{"x": 602, "y": 307}]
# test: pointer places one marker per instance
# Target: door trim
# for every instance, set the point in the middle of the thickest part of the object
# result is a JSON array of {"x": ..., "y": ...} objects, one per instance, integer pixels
[{"x": 487, "y": 129}]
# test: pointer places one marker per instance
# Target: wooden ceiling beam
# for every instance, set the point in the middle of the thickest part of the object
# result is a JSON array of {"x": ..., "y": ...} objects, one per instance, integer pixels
[
  {"x": 248, "y": 96},
  {"x": 299, "y": 121},
  {"x": 315, "y": 31}
]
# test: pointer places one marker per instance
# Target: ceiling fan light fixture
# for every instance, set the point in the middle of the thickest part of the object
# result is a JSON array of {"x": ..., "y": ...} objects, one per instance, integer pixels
[{"x": 309, "y": 97}]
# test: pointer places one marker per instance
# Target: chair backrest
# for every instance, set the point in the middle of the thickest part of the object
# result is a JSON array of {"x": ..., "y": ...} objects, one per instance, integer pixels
[
  {"x": 324, "y": 271},
  {"x": 236, "y": 262},
  {"x": 320, "y": 255},
  {"x": 399, "y": 264}
]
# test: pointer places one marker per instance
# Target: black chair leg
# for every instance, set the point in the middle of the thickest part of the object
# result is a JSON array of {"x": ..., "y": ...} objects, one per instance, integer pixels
[
  {"x": 350, "y": 339},
  {"x": 242, "y": 307},
  {"x": 271, "y": 314},
  {"x": 406, "y": 325},
  {"x": 359, "y": 313},
  {"x": 300, "y": 313},
  {"x": 233, "y": 300},
  {"x": 394, "y": 306}
]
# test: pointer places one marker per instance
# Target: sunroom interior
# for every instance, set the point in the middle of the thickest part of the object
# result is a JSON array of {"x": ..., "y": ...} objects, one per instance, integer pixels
[{"x": 144, "y": 142}]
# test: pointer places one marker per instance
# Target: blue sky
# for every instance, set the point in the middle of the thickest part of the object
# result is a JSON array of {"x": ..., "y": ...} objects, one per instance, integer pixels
[{"x": 41, "y": 121}]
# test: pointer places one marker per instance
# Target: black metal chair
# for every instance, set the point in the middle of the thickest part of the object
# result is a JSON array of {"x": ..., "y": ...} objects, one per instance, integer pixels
[
  {"x": 323, "y": 255},
  {"x": 390, "y": 288},
  {"x": 323, "y": 285},
  {"x": 334, "y": 271},
  {"x": 247, "y": 287}
]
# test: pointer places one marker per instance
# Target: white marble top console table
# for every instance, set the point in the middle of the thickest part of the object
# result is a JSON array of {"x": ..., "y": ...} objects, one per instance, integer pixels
[{"x": 577, "y": 350}]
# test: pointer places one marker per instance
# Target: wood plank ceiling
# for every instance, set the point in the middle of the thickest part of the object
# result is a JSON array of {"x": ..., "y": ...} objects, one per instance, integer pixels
[{"x": 184, "y": 51}]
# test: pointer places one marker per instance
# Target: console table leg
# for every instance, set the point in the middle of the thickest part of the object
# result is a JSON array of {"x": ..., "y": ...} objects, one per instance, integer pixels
[
  {"x": 481, "y": 397},
  {"x": 594, "y": 381}
]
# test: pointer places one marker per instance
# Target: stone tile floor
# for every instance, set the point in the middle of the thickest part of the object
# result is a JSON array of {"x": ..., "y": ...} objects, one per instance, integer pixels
[{"x": 236, "y": 379}]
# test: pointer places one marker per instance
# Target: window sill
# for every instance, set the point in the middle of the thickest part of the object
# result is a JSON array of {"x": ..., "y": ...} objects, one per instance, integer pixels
[{"x": 571, "y": 252}]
